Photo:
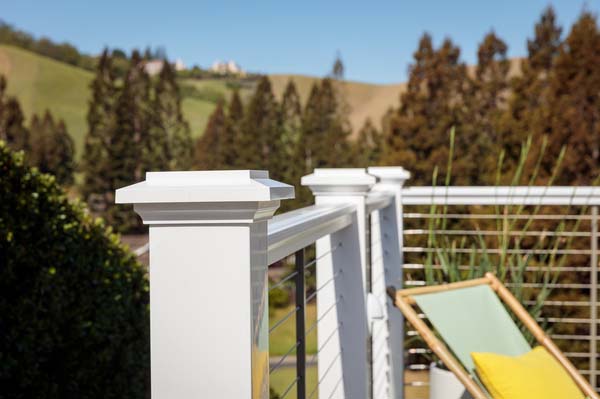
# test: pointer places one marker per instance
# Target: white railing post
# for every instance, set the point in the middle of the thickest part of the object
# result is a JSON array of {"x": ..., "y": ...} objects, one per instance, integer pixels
[
  {"x": 387, "y": 261},
  {"x": 208, "y": 280},
  {"x": 341, "y": 305}
]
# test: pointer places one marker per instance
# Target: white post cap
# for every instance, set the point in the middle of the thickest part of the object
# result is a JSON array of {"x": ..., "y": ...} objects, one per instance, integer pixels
[
  {"x": 390, "y": 174},
  {"x": 332, "y": 181},
  {"x": 233, "y": 196}
]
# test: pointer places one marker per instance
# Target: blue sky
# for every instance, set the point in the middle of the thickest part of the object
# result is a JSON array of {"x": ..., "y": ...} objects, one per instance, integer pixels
[{"x": 375, "y": 38}]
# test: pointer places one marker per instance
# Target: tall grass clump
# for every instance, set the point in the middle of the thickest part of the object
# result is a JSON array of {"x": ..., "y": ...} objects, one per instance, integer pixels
[{"x": 513, "y": 252}]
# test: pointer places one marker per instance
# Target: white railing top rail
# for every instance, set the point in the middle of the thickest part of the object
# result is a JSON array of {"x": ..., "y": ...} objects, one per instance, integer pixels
[
  {"x": 291, "y": 231},
  {"x": 378, "y": 200},
  {"x": 501, "y": 195}
]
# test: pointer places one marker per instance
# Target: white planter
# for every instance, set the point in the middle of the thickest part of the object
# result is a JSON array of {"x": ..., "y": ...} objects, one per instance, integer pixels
[{"x": 443, "y": 384}]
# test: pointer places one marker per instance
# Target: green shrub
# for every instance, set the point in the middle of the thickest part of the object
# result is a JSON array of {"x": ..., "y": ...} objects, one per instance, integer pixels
[{"x": 74, "y": 317}]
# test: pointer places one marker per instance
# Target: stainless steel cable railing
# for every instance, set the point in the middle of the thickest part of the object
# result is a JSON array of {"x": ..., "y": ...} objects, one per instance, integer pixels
[{"x": 571, "y": 309}]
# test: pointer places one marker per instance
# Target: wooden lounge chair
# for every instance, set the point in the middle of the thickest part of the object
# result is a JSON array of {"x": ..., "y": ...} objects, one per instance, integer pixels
[{"x": 470, "y": 318}]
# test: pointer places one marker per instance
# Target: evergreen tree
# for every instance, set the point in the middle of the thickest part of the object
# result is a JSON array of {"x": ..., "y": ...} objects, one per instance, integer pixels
[
  {"x": 291, "y": 134},
  {"x": 480, "y": 133},
  {"x": 12, "y": 128},
  {"x": 574, "y": 104},
  {"x": 527, "y": 113},
  {"x": 53, "y": 149},
  {"x": 209, "y": 147},
  {"x": 131, "y": 147},
  {"x": 172, "y": 143},
  {"x": 337, "y": 72},
  {"x": 325, "y": 129},
  {"x": 368, "y": 146},
  {"x": 291, "y": 137},
  {"x": 230, "y": 149},
  {"x": 261, "y": 133},
  {"x": 64, "y": 153},
  {"x": 96, "y": 166},
  {"x": 39, "y": 130},
  {"x": 428, "y": 109}
]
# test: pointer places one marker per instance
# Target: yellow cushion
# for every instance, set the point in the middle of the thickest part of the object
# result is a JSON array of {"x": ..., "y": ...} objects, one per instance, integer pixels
[{"x": 534, "y": 375}]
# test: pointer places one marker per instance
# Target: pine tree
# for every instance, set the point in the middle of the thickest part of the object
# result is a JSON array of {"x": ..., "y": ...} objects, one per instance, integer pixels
[
  {"x": 368, "y": 146},
  {"x": 209, "y": 151},
  {"x": 64, "y": 153},
  {"x": 12, "y": 128},
  {"x": 130, "y": 152},
  {"x": 96, "y": 165},
  {"x": 574, "y": 104},
  {"x": 53, "y": 149},
  {"x": 172, "y": 142},
  {"x": 40, "y": 129},
  {"x": 291, "y": 138},
  {"x": 428, "y": 109},
  {"x": 527, "y": 113},
  {"x": 311, "y": 129},
  {"x": 337, "y": 72},
  {"x": 261, "y": 138},
  {"x": 325, "y": 129},
  {"x": 480, "y": 133},
  {"x": 231, "y": 148},
  {"x": 291, "y": 133}
]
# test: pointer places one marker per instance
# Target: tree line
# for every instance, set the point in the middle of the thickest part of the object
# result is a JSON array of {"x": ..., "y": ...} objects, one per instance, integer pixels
[
  {"x": 287, "y": 138},
  {"x": 552, "y": 95},
  {"x": 64, "y": 52},
  {"x": 46, "y": 140},
  {"x": 554, "y": 99},
  {"x": 135, "y": 124}
]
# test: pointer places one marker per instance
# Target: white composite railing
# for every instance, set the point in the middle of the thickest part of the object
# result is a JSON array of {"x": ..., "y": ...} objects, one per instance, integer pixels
[{"x": 213, "y": 237}]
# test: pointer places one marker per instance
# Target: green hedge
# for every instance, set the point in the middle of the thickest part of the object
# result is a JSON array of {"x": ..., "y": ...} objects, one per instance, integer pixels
[{"x": 74, "y": 316}]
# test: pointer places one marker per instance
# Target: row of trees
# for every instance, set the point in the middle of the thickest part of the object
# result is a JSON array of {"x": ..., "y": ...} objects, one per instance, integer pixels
[
  {"x": 554, "y": 98},
  {"x": 63, "y": 52},
  {"x": 135, "y": 124},
  {"x": 46, "y": 141},
  {"x": 285, "y": 137}
]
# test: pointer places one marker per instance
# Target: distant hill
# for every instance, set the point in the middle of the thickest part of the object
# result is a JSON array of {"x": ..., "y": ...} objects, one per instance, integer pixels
[
  {"x": 42, "y": 83},
  {"x": 365, "y": 100}
]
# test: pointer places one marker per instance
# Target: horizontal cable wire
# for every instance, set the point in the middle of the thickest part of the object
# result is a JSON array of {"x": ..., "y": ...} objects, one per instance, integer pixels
[
  {"x": 497, "y": 233},
  {"x": 314, "y": 261},
  {"x": 380, "y": 351},
  {"x": 283, "y": 319},
  {"x": 497, "y": 251},
  {"x": 419, "y": 283},
  {"x": 494, "y": 216},
  {"x": 325, "y": 374},
  {"x": 321, "y": 318},
  {"x": 289, "y": 388},
  {"x": 421, "y": 266},
  {"x": 280, "y": 362},
  {"x": 283, "y": 281},
  {"x": 324, "y": 344},
  {"x": 560, "y": 303},
  {"x": 335, "y": 275},
  {"x": 377, "y": 279},
  {"x": 337, "y": 384}
]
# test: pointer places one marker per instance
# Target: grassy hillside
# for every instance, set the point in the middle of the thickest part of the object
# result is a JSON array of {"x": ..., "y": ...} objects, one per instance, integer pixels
[
  {"x": 41, "y": 83},
  {"x": 365, "y": 100}
]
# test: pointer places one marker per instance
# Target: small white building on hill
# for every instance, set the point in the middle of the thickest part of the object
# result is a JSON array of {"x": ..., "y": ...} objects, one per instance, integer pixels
[{"x": 228, "y": 67}]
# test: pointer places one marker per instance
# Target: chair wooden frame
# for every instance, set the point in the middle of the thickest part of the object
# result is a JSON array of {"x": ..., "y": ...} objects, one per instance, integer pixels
[{"x": 403, "y": 299}]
